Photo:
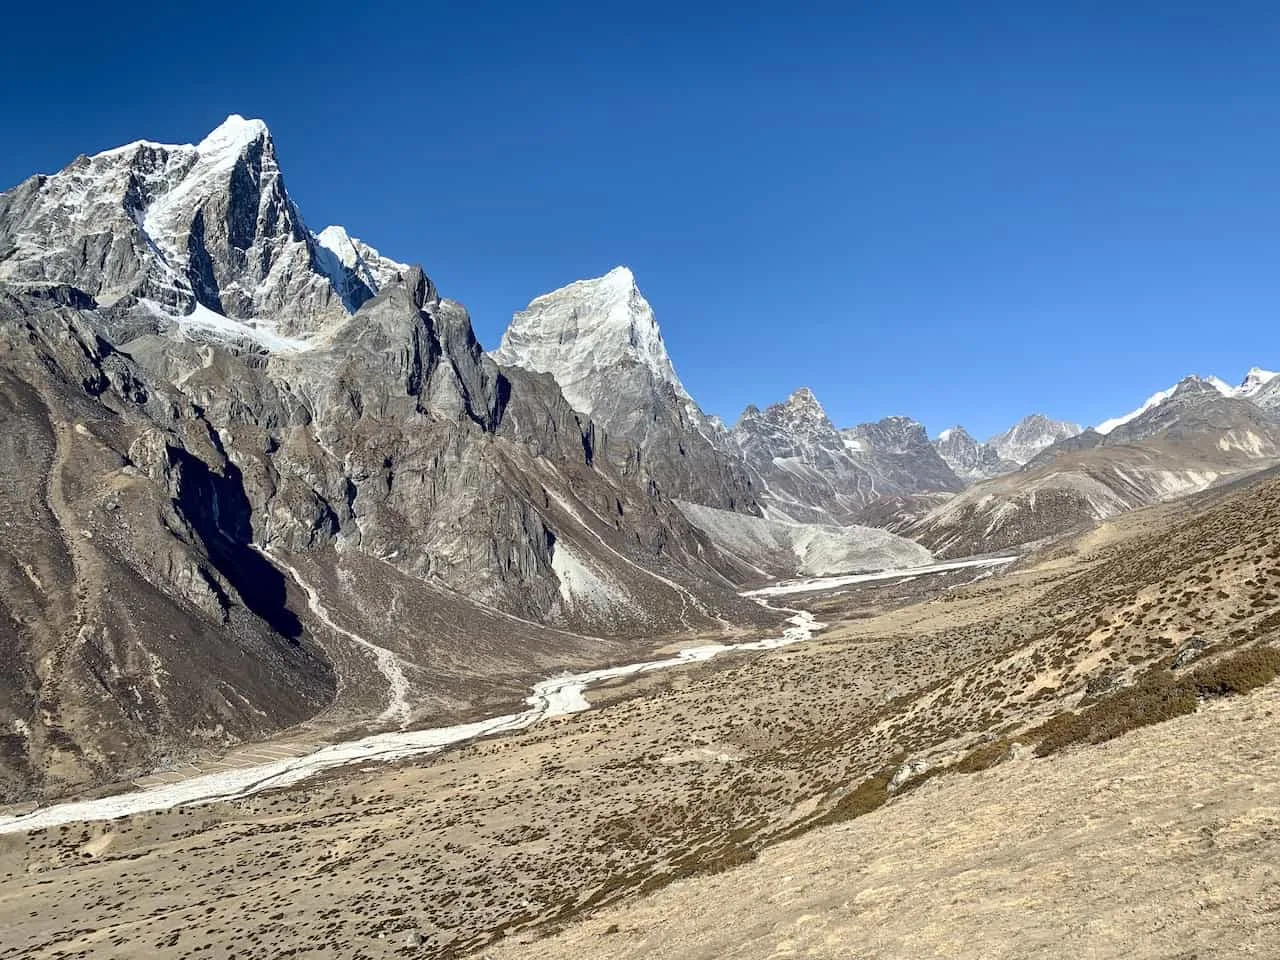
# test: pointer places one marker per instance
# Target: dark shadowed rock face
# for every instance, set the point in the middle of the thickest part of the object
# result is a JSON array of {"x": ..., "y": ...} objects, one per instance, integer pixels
[{"x": 140, "y": 624}]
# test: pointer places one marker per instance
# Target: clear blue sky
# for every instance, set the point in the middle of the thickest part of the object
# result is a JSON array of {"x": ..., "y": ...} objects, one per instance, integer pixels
[{"x": 961, "y": 212}]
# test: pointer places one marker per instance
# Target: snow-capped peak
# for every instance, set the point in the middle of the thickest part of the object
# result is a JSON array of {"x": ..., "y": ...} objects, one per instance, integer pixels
[
  {"x": 1220, "y": 385},
  {"x": 945, "y": 435},
  {"x": 620, "y": 277},
  {"x": 216, "y": 156},
  {"x": 336, "y": 240},
  {"x": 577, "y": 331},
  {"x": 1151, "y": 402},
  {"x": 232, "y": 135},
  {"x": 355, "y": 269},
  {"x": 1253, "y": 381}
]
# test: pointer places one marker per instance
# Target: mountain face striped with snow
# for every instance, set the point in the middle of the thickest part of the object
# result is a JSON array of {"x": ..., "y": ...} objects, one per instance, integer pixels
[
  {"x": 199, "y": 236},
  {"x": 1257, "y": 383}
]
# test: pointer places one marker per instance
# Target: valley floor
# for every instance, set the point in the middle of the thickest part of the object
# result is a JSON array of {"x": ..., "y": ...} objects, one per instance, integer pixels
[{"x": 737, "y": 769}]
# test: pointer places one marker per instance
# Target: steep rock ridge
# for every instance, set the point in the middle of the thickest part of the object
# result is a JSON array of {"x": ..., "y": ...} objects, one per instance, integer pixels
[
  {"x": 1022, "y": 442},
  {"x": 968, "y": 459},
  {"x": 805, "y": 471},
  {"x": 203, "y": 232},
  {"x": 600, "y": 341},
  {"x": 1197, "y": 433},
  {"x": 314, "y": 457},
  {"x": 811, "y": 472},
  {"x": 897, "y": 450}
]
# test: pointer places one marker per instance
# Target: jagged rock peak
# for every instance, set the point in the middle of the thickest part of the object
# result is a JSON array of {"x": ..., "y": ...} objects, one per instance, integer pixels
[
  {"x": 201, "y": 238},
  {"x": 1022, "y": 442},
  {"x": 600, "y": 341},
  {"x": 896, "y": 434},
  {"x": 968, "y": 459},
  {"x": 800, "y": 417},
  {"x": 804, "y": 402},
  {"x": 587, "y": 327}
]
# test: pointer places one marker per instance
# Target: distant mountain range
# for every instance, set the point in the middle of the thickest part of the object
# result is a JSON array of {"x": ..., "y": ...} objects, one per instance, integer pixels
[{"x": 255, "y": 474}]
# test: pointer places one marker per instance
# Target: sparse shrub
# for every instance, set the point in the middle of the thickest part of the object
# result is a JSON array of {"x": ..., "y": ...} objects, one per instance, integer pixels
[
  {"x": 1239, "y": 673},
  {"x": 983, "y": 757},
  {"x": 869, "y": 795},
  {"x": 1156, "y": 697}
]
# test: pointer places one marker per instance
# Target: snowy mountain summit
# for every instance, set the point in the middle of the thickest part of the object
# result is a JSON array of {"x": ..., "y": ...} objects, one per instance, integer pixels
[
  {"x": 600, "y": 340},
  {"x": 1258, "y": 386},
  {"x": 201, "y": 236},
  {"x": 1022, "y": 442},
  {"x": 590, "y": 327}
]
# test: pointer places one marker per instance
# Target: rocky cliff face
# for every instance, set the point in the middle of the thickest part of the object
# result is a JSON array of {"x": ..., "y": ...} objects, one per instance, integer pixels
[
  {"x": 968, "y": 459},
  {"x": 811, "y": 472},
  {"x": 898, "y": 452},
  {"x": 1022, "y": 442},
  {"x": 284, "y": 478},
  {"x": 600, "y": 341}
]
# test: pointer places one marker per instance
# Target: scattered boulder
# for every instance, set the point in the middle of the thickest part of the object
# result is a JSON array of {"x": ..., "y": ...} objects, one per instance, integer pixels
[{"x": 1193, "y": 649}]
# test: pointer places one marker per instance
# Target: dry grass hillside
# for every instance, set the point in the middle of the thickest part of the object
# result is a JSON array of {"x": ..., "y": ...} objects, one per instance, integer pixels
[
  {"x": 1160, "y": 846},
  {"x": 702, "y": 770}
]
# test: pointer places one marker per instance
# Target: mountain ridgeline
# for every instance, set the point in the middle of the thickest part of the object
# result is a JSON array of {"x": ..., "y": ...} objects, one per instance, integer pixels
[{"x": 257, "y": 475}]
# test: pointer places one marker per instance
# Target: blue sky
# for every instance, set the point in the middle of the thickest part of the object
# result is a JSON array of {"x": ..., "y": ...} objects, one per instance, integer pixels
[{"x": 961, "y": 212}]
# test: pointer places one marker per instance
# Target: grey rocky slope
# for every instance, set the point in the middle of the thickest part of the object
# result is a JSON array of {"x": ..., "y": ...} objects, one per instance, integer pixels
[
  {"x": 809, "y": 471},
  {"x": 1195, "y": 436},
  {"x": 600, "y": 341},
  {"x": 282, "y": 479}
]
